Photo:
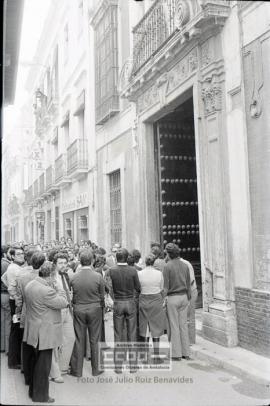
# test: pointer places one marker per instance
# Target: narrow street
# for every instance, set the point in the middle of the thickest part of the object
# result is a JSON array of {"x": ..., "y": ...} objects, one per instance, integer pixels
[{"x": 189, "y": 383}]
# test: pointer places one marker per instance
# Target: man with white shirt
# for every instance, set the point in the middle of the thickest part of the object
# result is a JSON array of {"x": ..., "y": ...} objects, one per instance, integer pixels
[
  {"x": 9, "y": 278},
  {"x": 61, "y": 357}
]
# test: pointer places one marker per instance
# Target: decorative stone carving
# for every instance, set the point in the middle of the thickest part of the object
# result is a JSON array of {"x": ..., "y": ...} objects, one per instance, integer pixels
[
  {"x": 124, "y": 76},
  {"x": 162, "y": 84},
  {"x": 168, "y": 81},
  {"x": 147, "y": 99},
  {"x": 211, "y": 96},
  {"x": 206, "y": 53},
  {"x": 134, "y": 135},
  {"x": 182, "y": 12},
  {"x": 182, "y": 70}
]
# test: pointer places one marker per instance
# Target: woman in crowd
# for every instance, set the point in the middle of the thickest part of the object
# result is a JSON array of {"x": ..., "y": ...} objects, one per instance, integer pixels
[{"x": 152, "y": 318}]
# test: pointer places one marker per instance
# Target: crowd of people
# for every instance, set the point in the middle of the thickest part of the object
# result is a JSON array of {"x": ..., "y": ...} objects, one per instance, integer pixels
[{"x": 54, "y": 298}]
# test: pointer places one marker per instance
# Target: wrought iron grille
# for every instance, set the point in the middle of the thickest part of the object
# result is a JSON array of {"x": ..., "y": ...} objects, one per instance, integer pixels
[
  {"x": 106, "y": 66},
  {"x": 60, "y": 167},
  {"x": 49, "y": 177},
  {"x": 77, "y": 155},
  {"x": 115, "y": 207},
  {"x": 154, "y": 29}
]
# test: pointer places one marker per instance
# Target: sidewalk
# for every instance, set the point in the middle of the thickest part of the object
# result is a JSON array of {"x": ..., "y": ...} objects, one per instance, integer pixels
[{"x": 237, "y": 360}]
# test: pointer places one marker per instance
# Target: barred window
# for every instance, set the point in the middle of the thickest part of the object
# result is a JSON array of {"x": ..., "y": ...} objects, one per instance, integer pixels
[
  {"x": 106, "y": 65},
  {"x": 115, "y": 207}
]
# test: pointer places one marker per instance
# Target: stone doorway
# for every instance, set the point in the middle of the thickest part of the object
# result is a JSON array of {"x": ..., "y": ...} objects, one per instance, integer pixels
[{"x": 175, "y": 159}]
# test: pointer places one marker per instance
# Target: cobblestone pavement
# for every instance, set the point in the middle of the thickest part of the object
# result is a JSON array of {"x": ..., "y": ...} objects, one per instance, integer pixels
[{"x": 189, "y": 383}]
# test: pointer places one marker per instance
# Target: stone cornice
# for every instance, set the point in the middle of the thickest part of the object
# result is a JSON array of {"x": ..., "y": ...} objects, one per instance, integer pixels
[{"x": 210, "y": 18}]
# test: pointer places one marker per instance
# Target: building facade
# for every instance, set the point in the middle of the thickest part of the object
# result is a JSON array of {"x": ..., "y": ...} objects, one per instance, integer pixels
[
  {"x": 172, "y": 144},
  {"x": 181, "y": 162},
  {"x": 59, "y": 198}
]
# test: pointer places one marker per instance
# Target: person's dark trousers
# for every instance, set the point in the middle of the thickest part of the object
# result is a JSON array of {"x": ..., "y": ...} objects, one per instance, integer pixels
[
  {"x": 15, "y": 339},
  {"x": 138, "y": 319},
  {"x": 40, "y": 366},
  {"x": 102, "y": 338},
  {"x": 27, "y": 353},
  {"x": 5, "y": 321},
  {"x": 124, "y": 314},
  {"x": 90, "y": 317}
]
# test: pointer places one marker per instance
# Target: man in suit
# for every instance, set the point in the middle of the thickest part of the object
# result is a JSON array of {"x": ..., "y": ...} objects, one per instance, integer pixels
[
  {"x": 88, "y": 300},
  {"x": 125, "y": 282},
  {"x": 34, "y": 261},
  {"x": 43, "y": 329},
  {"x": 61, "y": 358}
]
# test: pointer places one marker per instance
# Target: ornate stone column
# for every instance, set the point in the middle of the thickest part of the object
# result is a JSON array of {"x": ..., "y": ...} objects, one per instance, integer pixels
[{"x": 219, "y": 319}]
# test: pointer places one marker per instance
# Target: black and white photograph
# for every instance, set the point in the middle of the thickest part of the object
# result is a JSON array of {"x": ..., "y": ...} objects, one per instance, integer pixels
[{"x": 135, "y": 203}]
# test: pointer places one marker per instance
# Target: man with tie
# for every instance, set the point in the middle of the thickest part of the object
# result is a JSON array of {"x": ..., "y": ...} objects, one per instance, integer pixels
[{"x": 61, "y": 357}]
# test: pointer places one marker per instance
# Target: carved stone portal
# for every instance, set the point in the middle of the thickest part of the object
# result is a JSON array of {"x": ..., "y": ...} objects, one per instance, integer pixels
[{"x": 211, "y": 95}]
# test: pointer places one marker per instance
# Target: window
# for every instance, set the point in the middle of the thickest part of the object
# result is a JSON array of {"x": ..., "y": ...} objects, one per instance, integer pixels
[
  {"x": 66, "y": 40},
  {"x": 68, "y": 227},
  {"x": 57, "y": 223},
  {"x": 115, "y": 207},
  {"x": 106, "y": 64}
]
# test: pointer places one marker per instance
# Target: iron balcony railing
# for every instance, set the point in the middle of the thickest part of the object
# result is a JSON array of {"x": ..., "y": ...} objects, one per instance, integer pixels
[
  {"x": 42, "y": 184},
  {"x": 77, "y": 157},
  {"x": 154, "y": 29},
  {"x": 60, "y": 167},
  {"x": 49, "y": 177},
  {"x": 161, "y": 22},
  {"x": 36, "y": 189}
]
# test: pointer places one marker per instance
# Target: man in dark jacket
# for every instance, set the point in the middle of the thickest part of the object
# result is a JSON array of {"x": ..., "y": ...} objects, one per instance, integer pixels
[
  {"x": 178, "y": 290},
  {"x": 125, "y": 282},
  {"x": 5, "y": 310},
  {"x": 88, "y": 300},
  {"x": 43, "y": 329}
]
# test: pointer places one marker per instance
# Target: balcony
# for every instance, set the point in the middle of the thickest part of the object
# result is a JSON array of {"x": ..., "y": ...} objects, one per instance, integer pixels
[
  {"x": 168, "y": 28},
  {"x": 61, "y": 178},
  {"x": 77, "y": 158},
  {"x": 50, "y": 181}
]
